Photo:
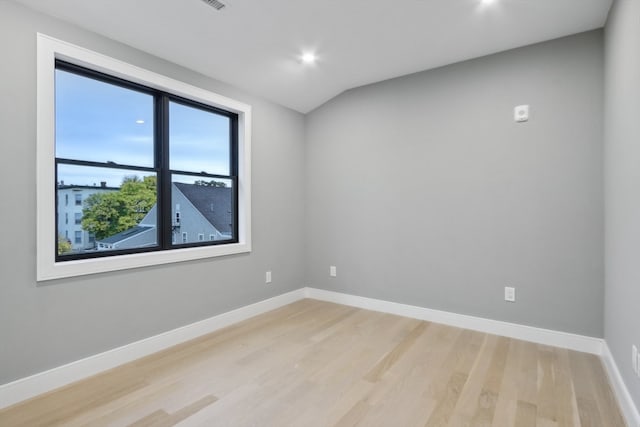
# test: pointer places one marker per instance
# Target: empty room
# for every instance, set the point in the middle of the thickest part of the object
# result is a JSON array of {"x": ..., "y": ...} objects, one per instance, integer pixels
[{"x": 341, "y": 213}]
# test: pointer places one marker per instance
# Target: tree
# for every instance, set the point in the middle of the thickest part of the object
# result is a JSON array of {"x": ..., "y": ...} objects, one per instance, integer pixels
[
  {"x": 212, "y": 183},
  {"x": 64, "y": 245},
  {"x": 106, "y": 214}
]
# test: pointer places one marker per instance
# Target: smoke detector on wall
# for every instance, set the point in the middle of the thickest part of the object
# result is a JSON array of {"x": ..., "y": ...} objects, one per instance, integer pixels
[{"x": 217, "y": 5}]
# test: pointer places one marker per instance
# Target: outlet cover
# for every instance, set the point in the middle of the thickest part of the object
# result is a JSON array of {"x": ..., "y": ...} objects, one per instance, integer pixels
[
  {"x": 332, "y": 271},
  {"x": 521, "y": 113},
  {"x": 267, "y": 277},
  {"x": 509, "y": 294}
]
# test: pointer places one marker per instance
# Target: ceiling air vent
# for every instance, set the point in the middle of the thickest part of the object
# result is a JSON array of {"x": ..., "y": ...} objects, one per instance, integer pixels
[{"x": 217, "y": 5}]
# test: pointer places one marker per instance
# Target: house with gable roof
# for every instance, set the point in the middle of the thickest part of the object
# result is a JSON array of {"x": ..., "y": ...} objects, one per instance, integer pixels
[{"x": 199, "y": 213}]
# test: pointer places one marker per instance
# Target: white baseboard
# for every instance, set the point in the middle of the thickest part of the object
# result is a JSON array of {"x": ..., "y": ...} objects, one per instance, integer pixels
[
  {"x": 582, "y": 343},
  {"x": 43, "y": 382},
  {"x": 496, "y": 327},
  {"x": 629, "y": 409}
]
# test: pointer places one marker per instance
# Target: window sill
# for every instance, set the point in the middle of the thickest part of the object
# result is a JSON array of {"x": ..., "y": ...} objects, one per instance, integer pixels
[{"x": 59, "y": 270}]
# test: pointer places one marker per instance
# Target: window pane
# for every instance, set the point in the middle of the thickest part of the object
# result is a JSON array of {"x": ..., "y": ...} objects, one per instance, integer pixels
[
  {"x": 117, "y": 210},
  {"x": 102, "y": 122},
  {"x": 201, "y": 207},
  {"x": 198, "y": 140}
]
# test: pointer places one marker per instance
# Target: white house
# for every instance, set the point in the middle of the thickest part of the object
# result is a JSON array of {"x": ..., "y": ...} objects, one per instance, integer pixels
[{"x": 70, "y": 203}]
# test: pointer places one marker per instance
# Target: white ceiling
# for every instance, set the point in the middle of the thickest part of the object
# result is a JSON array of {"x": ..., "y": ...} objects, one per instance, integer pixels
[{"x": 255, "y": 44}]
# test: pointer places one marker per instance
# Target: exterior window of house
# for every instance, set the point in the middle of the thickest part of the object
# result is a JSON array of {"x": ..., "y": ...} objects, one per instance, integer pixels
[
  {"x": 171, "y": 159},
  {"x": 212, "y": 237},
  {"x": 66, "y": 218}
]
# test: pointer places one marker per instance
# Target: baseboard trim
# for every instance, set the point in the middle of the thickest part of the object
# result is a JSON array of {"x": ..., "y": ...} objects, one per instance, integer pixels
[
  {"x": 628, "y": 407},
  {"x": 26, "y": 388},
  {"x": 576, "y": 342},
  {"x": 496, "y": 327}
]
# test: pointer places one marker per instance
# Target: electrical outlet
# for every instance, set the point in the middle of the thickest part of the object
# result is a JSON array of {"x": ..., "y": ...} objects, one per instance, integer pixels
[
  {"x": 521, "y": 113},
  {"x": 267, "y": 277},
  {"x": 509, "y": 294},
  {"x": 332, "y": 271},
  {"x": 634, "y": 358}
]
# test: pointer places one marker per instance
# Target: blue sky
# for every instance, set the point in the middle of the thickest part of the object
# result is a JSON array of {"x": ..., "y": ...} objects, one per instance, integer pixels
[{"x": 101, "y": 122}]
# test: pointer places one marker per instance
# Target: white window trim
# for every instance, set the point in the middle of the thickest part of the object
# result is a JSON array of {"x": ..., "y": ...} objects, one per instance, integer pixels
[{"x": 50, "y": 49}]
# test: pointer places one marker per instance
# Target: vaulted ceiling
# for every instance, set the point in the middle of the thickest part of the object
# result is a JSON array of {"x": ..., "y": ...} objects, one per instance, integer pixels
[{"x": 256, "y": 45}]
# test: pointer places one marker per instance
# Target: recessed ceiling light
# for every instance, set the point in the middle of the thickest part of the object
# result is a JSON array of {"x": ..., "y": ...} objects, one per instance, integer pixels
[
  {"x": 308, "y": 58},
  {"x": 140, "y": 121}
]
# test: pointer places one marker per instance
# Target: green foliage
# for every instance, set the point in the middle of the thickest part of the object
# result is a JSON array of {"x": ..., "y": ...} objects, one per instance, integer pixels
[
  {"x": 106, "y": 214},
  {"x": 212, "y": 183},
  {"x": 64, "y": 245}
]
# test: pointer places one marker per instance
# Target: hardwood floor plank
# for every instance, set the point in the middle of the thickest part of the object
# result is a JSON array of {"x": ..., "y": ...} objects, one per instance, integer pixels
[
  {"x": 447, "y": 403},
  {"x": 526, "y": 414},
  {"x": 470, "y": 396},
  {"x": 390, "y": 358},
  {"x": 604, "y": 397},
  {"x": 588, "y": 411},
  {"x": 563, "y": 390},
  {"x": 488, "y": 398},
  {"x": 507, "y": 403},
  {"x": 546, "y": 409}
]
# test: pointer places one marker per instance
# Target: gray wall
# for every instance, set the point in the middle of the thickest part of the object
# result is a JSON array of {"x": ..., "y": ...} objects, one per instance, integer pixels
[
  {"x": 43, "y": 326},
  {"x": 423, "y": 190},
  {"x": 622, "y": 186}
]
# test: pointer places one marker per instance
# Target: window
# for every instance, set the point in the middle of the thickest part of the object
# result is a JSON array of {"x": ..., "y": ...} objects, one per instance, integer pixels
[
  {"x": 66, "y": 217},
  {"x": 154, "y": 144},
  {"x": 78, "y": 237},
  {"x": 153, "y": 149},
  {"x": 66, "y": 200},
  {"x": 212, "y": 237}
]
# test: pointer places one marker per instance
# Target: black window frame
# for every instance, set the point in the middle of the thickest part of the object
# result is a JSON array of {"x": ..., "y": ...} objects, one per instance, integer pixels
[{"x": 161, "y": 168}]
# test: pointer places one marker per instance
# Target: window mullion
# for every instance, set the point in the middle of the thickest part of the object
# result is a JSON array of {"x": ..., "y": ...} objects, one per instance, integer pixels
[{"x": 162, "y": 161}]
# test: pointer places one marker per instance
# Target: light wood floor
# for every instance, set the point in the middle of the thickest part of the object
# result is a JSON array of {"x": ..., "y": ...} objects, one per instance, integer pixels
[{"x": 319, "y": 364}]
